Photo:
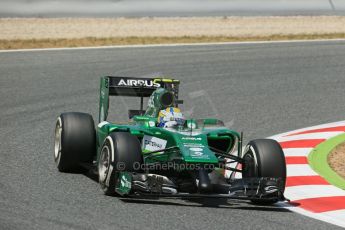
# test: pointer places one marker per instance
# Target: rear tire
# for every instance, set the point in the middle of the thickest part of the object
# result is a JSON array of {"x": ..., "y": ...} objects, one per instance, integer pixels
[
  {"x": 75, "y": 141},
  {"x": 121, "y": 151},
  {"x": 264, "y": 158}
]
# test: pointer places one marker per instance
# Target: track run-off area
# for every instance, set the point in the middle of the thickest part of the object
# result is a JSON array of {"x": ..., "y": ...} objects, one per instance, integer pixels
[
  {"x": 312, "y": 194},
  {"x": 259, "y": 88}
]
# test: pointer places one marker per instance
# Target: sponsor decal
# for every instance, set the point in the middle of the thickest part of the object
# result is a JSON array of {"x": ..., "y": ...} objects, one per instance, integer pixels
[
  {"x": 192, "y": 145},
  {"x": 197, "y": 154},
  {"x": 125, "y": 183},
  {"x": 151, "y": 143},
  {"x": 196, "y": 149},
  {"x": 152, "y": 124},
  {"x": 186, "y": 133},
  {"x": 191, "y": 125},
  {"x": 138, "y": 82},
  {"x": 192, "y": 138}
]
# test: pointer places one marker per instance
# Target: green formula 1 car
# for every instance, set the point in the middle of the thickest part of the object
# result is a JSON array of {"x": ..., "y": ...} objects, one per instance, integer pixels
[{"x": 188, "y": 158}]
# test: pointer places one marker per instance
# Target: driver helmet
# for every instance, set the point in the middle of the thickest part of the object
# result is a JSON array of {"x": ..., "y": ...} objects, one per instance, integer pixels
[{"x": 170, "y": 117}]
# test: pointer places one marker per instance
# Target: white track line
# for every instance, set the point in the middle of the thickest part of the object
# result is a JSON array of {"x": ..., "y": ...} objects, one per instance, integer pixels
[
  {"x": 312, "y": 191},
  {"x": 298, "y": 152},
  {"x": 300, "y": 170},
  {"x": 333, "y": 219},
  {"x": 336, "y": 214},
  {"x": 171, "y": 45},
  {"x": 333, "y": 124},
  {"x": 319, "y": 135}
]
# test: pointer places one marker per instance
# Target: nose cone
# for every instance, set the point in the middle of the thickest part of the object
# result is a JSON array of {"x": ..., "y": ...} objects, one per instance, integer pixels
[{"x": 194, "y": 149}]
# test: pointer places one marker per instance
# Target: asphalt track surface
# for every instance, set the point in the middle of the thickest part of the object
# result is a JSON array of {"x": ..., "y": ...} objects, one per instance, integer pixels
[
  {"x": 261, "y": 89},
  {"x": 168, "y": 8}
]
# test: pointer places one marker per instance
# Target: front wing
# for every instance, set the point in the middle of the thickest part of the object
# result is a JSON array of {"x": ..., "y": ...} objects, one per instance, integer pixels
[{"x": 156, "y": 186}]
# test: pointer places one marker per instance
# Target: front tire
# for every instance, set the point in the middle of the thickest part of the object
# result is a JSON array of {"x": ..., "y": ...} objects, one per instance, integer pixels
[
  {"x": 121, "y": 151},
  {"x": 264, "y": 158},
  {"x": 75, "y": 141}
]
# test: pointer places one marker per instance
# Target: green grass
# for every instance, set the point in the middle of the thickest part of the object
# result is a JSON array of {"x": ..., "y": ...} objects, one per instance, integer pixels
[{"x": 318, "y": 161}]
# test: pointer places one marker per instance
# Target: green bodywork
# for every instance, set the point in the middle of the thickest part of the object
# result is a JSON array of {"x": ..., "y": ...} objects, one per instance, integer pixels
[
  {"x": 192, "y": 141},
  {"x": 124, "y": 185}
]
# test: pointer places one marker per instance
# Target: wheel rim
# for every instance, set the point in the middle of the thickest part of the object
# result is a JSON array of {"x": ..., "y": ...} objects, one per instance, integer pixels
[
  {"x": 57, "y": 145},
  {"x": 250, "y": 168},
  {"x": 103, "y": 164}
]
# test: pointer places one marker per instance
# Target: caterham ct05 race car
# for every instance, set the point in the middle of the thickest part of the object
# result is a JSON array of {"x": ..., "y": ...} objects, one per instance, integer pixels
[{"x": 160, "y": 153}]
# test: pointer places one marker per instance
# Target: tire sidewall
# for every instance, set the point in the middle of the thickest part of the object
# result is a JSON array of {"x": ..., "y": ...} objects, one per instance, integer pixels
[
  {"x": 77, "y": 140},
  {"x": 57, "y": 156},
  {"x": 109, "y": 182},
  {"x": 269, "y": 161},
  {"x": 276, "y": 159},
  {"x": 125, "y": 150}
]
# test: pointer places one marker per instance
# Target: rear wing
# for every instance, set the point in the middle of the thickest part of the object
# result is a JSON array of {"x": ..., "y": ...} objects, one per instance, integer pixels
[
  {"x": 131, "y": 87},
  {"x": 136, "y": 87}
]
